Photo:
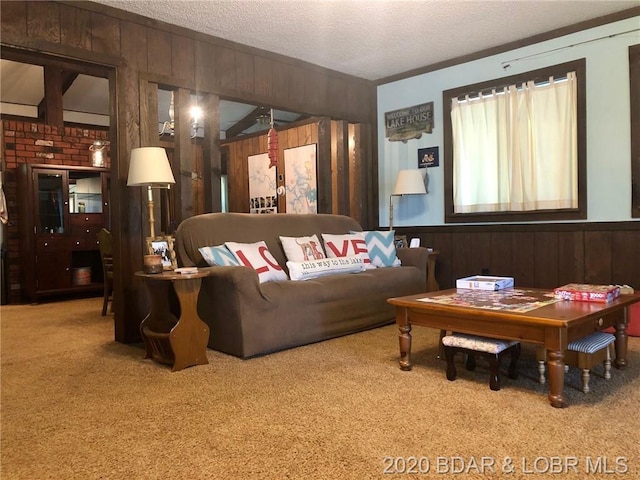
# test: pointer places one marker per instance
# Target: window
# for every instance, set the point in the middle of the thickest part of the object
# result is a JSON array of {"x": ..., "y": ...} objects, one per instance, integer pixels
[{"x": 515, "y": 147}]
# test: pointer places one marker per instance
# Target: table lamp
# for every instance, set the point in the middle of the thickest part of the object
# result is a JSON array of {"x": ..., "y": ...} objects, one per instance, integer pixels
[
  {"x": 149, "y": 167},
  {"x": 408, "y": 182}
]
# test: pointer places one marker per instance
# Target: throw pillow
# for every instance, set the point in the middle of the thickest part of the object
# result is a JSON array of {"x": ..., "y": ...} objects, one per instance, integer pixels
[
  {"x": 347, "y": 245},
  {"x": 218, "y": 256},
  {"x": 299, "y": 249},
  {"x": 382, "y": 248},
  {"x": 325, "y": 266},
  {"x": 257, "y": 256}
]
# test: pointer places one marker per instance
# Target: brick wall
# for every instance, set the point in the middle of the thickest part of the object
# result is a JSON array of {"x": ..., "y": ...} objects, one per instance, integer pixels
[{"x": 36, "y": 143}]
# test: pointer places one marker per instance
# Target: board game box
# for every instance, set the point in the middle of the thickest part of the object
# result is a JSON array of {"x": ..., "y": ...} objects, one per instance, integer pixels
[
  {"x": 482, "y": 282},
  {"x": 583, "y": 292}
]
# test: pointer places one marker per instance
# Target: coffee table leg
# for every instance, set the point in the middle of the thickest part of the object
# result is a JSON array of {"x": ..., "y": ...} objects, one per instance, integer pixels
[
  {"x": 404, "y": 339},
  {"x": 555, "y": 365},
  {"x": 621, "y": 345}
]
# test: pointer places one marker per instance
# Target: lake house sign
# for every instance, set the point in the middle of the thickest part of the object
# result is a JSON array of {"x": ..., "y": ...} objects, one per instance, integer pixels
[{"x": 408, "y": 123}]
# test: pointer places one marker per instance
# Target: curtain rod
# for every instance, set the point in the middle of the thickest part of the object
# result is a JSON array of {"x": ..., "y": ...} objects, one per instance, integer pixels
[
  {"x": 507, "y": 63},
  {"x": 489, "y": 90}
]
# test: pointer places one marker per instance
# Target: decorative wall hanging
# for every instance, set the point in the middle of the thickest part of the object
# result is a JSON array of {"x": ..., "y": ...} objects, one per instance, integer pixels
[
  {"x": 428, "y": 157},
  {"x": 262, "y": 185},
  {"x": 408, "y": 123},
  {"x": 272, "y": 144},
  {"x": 301, "y": 179}
]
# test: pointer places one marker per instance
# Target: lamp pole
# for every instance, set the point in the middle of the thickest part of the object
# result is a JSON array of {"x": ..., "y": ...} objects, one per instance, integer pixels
[
  {"x": 152, "y": 221},
  {"x": 391, "y": 212}
]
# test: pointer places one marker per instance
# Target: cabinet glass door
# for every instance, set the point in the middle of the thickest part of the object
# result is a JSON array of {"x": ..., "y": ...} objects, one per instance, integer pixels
[
  {"x": 50, "y": 202},
  {"x": 85, "y": 192}
]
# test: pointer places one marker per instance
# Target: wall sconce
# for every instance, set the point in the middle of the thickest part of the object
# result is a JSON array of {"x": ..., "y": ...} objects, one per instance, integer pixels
[
  {"x": 195, "y": 112},
  {"x": 408, "y": 182},
  {"x": 149, "y": 167}
]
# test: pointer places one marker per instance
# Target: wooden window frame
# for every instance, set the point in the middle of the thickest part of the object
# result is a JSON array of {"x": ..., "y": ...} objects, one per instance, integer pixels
[
  {"x": 580, "y": 213},
  {"x": 634, "y": 102}
]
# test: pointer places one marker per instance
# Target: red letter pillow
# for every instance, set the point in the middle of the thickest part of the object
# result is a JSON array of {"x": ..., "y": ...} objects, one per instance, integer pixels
[
  {"x": 347, "y": 245},
  {"x": 257, "y": 256}
]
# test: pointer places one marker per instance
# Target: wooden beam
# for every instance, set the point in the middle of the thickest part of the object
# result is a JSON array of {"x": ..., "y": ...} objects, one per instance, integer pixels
[
  {"x": 325, "y": 183},
  {"x": 341, "y": 139},
  {"x": 182, "y": 157},
  {"x": 212, "y": 159},
  {"x": 66, "y": 80},
  {"x": 245, "y": 122},
  {"x": 52, "y": 113}
]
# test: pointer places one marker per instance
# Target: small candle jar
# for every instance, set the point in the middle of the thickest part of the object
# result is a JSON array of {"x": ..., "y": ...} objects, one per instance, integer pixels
[{"x": 152, "y": 264}]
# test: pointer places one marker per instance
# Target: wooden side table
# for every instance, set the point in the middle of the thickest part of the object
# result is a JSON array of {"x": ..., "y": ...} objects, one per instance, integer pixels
[
  {"x": 432, "y": 283},
  {"x": 180, "y": 342}
]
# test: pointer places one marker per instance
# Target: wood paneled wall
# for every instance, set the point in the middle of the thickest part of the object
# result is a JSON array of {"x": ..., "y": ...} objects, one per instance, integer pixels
[
  {"x": 138, "y": 48},
  {"x": 542, "y": 255},
  {"x": 343, "y": 165},
  {"x": 239, "y": 151}
]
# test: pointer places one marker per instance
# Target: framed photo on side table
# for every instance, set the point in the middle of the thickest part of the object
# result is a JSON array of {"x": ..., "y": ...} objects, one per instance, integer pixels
[
  {"x": 163, "y": 246},
  {"x": 401, "y": 241}
]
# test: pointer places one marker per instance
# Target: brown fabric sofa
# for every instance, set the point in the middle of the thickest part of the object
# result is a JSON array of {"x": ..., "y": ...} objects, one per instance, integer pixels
[{"x": 248, "y": 318}]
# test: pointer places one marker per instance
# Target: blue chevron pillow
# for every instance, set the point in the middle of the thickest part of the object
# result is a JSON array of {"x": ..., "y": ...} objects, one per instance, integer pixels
[
  {"x": 382, "y": 248},
  {"x": 218, "y": 256}
]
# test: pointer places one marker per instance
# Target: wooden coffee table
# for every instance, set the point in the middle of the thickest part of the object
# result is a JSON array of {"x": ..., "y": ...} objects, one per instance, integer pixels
[{"x": 508, "y": 316}]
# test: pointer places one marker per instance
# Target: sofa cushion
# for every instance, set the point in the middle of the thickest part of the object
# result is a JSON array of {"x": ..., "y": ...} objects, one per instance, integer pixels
[
  {"x": 309, "y": 269},
  {"x": 218, "y": 256},
  {"x": 299, "y": 249},
  {"x": 257, "y": 256},
  {"x": 382, "y": 248},
  {"x": 347, "y": 245}
]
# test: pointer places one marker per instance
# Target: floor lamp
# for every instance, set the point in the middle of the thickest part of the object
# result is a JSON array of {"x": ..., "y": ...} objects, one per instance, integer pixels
[
  {"x": 149, "y": 167},
  {"x": 408, "y": 182}
]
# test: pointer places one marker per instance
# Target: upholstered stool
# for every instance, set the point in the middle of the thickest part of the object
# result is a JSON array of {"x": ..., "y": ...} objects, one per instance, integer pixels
[
  {"x": 491, "y": 348},
  {"x": 584, "y": 353}
]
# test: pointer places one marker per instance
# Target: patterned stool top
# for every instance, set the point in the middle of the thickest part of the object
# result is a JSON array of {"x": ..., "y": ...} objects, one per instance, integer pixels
[
  {"x": 592, "y": 343},
  {"x": 479, "y": 344}
]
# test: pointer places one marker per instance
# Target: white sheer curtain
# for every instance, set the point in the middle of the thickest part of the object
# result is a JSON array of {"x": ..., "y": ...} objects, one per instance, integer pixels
[{"x": 516, "y": 149}]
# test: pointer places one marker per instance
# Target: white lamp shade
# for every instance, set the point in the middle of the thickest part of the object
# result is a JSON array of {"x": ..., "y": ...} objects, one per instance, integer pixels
[
  {"x": 149, "y": 166},
  {"x": 410, "y": 182}
]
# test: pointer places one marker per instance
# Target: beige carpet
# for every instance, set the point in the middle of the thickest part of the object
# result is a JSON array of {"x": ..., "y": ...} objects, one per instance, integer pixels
[{"x": 77, "y": 405}]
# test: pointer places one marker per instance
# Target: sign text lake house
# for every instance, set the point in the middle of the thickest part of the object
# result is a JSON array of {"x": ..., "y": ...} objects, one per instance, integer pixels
[{"x": 408, "y": 123}]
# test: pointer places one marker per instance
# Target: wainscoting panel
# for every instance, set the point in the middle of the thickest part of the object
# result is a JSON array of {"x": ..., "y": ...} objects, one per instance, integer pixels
[{"x": 540, "y": 255}]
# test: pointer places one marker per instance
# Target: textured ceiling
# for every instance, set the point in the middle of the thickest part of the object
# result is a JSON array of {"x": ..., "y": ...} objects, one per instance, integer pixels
[{"x": 373, "y": 39}]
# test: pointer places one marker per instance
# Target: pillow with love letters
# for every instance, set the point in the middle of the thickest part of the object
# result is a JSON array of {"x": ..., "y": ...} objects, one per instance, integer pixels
[
  {"x": 257, "y": 256},
  {"x": 347, "y": 245}
]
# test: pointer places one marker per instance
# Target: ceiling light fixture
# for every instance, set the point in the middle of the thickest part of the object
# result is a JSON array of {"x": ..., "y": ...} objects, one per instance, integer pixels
[{"x": 263, "y": 120}]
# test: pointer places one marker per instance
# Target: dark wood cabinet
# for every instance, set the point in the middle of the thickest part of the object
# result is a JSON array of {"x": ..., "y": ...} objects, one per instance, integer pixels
[{"x": 62, "y": 209}]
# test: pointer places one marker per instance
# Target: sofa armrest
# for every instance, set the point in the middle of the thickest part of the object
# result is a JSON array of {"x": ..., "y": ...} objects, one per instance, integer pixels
[
  {"x": 235, "y": 281},
  {"x": 416, "y": 257}
]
